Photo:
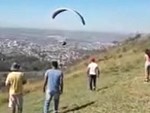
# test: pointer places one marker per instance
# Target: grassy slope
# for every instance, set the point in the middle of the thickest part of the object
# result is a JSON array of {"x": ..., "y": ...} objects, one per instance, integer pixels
[{"x": 120, "y": 88}]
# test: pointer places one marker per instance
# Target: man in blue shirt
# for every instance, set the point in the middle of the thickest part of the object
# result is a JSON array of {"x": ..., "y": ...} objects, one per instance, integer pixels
[{"x": 53, "y": 86}]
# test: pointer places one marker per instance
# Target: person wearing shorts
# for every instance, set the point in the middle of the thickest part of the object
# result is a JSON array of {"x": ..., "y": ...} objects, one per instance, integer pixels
[{"x": 15, "y": 81}]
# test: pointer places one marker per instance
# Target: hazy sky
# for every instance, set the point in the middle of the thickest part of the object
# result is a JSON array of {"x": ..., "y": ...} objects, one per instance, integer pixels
[{"x": 100, "y": 15}]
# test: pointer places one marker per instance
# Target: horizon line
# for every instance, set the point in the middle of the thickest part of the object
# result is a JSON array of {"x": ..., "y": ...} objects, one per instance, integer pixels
[{"x": 96, "y": 31}]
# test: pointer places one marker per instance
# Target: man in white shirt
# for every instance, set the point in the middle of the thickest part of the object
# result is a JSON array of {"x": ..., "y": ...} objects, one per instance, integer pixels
[{"x": 93, "y": 72}]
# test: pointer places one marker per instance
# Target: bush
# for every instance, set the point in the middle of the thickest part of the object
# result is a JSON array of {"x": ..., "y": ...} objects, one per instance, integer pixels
[{"x": 26, "y": 62}]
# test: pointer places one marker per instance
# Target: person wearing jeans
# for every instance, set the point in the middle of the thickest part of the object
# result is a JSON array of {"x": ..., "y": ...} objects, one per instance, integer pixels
[
  {"x": 92, "y": 82},
  {"x": 48, "y": 98},
  {"x": 53, "y": 87},
  {"x": 93, "y": 72}
]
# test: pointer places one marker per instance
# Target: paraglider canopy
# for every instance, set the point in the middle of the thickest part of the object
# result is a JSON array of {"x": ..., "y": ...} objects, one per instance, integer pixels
[{"x": 60, "y": 10}]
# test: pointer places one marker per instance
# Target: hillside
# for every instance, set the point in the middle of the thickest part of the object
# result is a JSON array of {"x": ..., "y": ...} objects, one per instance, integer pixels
[{"x": 121, "y": 88}]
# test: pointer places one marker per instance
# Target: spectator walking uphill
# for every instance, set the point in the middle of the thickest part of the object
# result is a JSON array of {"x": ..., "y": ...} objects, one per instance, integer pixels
[
  {"x": 15, "y": 81},
  {"x": 93, "y": 72},
  {"x": 53, "y": 87}
]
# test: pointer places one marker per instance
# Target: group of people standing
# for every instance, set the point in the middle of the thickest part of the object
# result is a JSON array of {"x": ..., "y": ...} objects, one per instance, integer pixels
[{"x": 53, "y": 85}]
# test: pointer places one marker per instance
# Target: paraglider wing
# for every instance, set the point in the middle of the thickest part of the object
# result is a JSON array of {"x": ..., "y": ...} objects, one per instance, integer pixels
[
  {"x": 57, "y": 12},
  {"x": 60, "y": 10},
  {"x": 82, "y": 19}
]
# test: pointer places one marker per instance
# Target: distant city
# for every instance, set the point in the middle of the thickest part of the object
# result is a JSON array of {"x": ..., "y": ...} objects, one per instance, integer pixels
[{"x": 47, "y": 44}]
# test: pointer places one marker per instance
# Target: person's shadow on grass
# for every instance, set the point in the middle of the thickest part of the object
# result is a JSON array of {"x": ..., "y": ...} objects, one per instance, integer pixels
[{"x": 77, "y": 107}]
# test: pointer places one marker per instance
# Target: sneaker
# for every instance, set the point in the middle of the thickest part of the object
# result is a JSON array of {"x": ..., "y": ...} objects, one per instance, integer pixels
[
  {"x": 94, "y": 88},
  {"x": 146, "y": 80}
]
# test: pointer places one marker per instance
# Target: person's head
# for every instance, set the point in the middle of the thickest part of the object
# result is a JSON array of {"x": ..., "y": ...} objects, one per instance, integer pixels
[
  {"x": 15, "y": 67},
  {"x": 93, "y": 60},
  {"x": 147, "y": 51},
  {"x": 54, "y": 64}
]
